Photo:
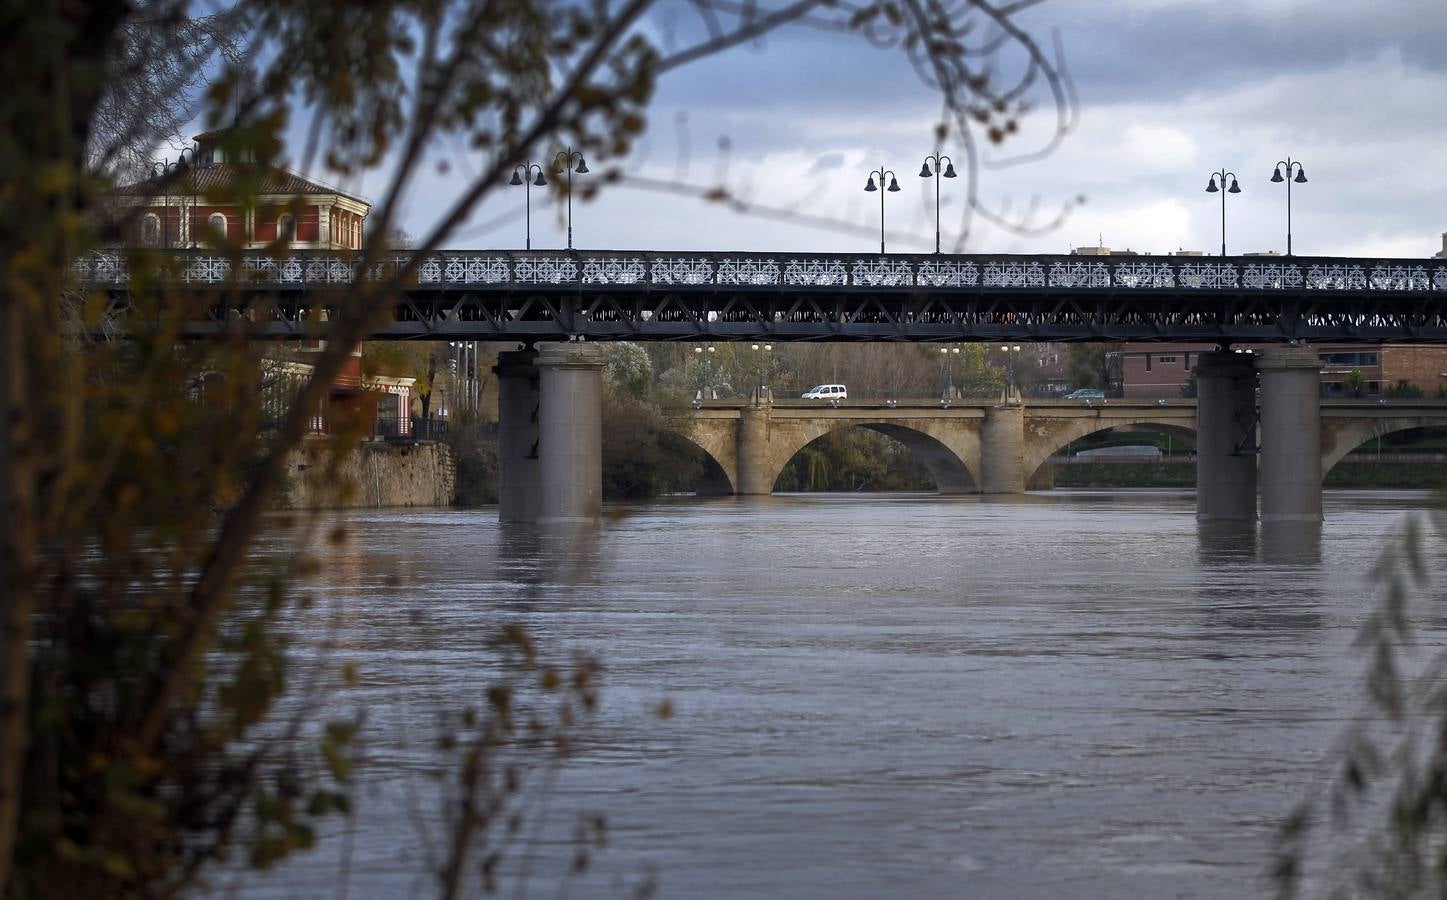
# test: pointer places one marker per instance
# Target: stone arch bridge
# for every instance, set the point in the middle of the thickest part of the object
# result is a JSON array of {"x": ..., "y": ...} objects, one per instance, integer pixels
[{"x": 982, "y": 446}]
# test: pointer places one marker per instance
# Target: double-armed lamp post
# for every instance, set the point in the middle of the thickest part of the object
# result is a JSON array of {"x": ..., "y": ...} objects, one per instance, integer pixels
[
  {"x": 1277, "y": 177},
  {"x": 763, "y": 351},
  {"x": 570, "y": 161},
  {"x": 162, "y": 173},
  {"x": 706, "y": 355},
  {"x": 893, "y": 188},
  {"x": 523, "y": 174},
  {"x": 949, "y": 354},
  {"x": 924, "y": 172},
  {"x": 1212, "y": 188}
]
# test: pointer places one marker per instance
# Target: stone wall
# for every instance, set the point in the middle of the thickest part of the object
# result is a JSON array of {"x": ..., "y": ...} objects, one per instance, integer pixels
[{"x": 376, "y": 474}]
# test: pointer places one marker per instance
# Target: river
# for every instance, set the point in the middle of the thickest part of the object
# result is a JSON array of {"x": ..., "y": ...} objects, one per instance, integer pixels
[{"x": 1070, "y": 694}]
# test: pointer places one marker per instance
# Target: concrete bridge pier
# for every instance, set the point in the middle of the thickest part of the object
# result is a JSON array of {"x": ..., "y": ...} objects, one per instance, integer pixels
[
  {"x": 1002, "y": 450},
  {"x": 550, "y": 434},
  {"x": 570, "y": 433},
  {"x": 1225, "y": 461},
  {"x": 1290, "y": 435},
  {"x": 517, "y": 436}
]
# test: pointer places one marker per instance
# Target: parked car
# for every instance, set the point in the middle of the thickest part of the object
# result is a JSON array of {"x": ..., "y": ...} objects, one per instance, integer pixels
[
  {"x": 826, "y": 392},
  {"x": 1085, "y": 394}
]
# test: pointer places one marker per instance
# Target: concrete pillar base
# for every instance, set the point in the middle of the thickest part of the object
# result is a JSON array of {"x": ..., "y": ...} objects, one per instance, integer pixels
[
  {"x": 1002, "y": 451},
  {"x": 518, "y": 495},
  {"x": 570, "y": 433},
  {"x": 1290, "y": 435},
  {"x": 1225, "y": 439}
]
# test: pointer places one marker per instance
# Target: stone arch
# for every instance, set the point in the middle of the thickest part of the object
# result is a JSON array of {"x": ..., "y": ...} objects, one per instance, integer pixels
[
  {"x": 949, "y": 452},
  {"x": 1340, "y": 436},
  {"x": 717, "y": 438},
  {"x": 1046, "y": 437}
]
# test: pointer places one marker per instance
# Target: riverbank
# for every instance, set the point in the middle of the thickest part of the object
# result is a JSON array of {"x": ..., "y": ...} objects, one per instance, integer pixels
[
  {"x": 1386, "y": 474},
  {"x": 376, "y": 475}
]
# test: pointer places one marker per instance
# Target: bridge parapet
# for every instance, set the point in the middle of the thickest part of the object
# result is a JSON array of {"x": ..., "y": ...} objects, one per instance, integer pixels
[{"x": 506, "y": 269}]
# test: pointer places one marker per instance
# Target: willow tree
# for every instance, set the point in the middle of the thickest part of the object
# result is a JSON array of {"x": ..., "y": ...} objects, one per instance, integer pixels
[{"x": 139, "y": 639}]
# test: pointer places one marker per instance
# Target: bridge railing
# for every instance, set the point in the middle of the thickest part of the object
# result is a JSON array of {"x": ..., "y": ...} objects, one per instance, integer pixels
[{"x": 512, "y": 270}]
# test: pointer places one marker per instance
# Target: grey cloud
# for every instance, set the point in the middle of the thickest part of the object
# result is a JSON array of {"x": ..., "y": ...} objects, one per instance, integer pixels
[{"x": 827, "y": 163}]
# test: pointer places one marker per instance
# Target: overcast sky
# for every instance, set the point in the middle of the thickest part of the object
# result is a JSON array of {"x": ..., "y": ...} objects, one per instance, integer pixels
[{"x": 1169, "y": 91}]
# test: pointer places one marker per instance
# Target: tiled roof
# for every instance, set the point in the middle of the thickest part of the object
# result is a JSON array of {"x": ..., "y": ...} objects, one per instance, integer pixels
[{"x": 221, "y": 177}]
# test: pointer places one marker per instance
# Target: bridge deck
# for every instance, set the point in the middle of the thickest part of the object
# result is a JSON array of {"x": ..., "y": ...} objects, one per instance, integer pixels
[{"x": 644, "y": 295}]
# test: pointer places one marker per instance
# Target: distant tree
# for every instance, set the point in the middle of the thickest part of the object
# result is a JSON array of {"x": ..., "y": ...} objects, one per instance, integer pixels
[
  {"x": 1354, "y": 383},
  {"x": 421, "y": 361},
  {"x": 1191, "y": 386},
  {"x": 628, "y": 368},
  {"x": 1095, "y": 366}
]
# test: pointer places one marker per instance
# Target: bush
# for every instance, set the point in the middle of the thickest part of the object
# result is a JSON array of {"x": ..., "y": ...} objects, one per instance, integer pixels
[{"x": 645, "y": 451}]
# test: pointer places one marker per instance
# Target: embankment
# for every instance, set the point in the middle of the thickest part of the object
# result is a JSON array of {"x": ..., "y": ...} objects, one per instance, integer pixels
[
  {"x": 376, "y": 474},
  {"x": 1386, "y": 474}
]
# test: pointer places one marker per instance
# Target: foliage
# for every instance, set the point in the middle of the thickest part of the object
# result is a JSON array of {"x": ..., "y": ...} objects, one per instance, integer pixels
[
  {"x": 854, "y": 459},
  {"x": 141, "y": 654},
  {"x": 1383, "y": 792},
  {"x": 474, "y": 454},
  {"x": 1404, "y": 390},
  {"x": 1095, "y": 366},
  {"x": 418, "y": 360},
  {"x": 1190, "y": 390},
  {"x": 645, "y": 448},
  {"x": 1354, "y": 383},
  {"x": 627, "y": 368}
]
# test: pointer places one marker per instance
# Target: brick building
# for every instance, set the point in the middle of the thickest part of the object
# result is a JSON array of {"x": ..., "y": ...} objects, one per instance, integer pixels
[
  {"x": 200, "y": 206},
  {"x": 195, "y": 208}
]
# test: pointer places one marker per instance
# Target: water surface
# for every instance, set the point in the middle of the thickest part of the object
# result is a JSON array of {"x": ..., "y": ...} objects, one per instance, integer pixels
[{"x": 1071, "y": 694}]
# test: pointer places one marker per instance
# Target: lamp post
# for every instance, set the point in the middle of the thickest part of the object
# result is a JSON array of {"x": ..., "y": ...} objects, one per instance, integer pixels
[
  {"x": 564, "y": 162},
  {"x": 949, "y": 172},
  {"x": 762, "y": 349},
  {"x": 893, "y": 188},
  {"x": 1211, "y": 188},
  {"x": 706, "y": 354},
  {"x": 949, "y": 355},
  {"x": 1011, "y": 351},
  {"x": 161, "y": 172},
  {"x": 527, "y": 180},
  {"x": 1277, "y": 178}
]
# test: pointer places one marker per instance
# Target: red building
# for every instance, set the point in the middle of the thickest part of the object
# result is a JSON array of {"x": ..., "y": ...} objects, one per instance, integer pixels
[{"x": 192, "y": 209}]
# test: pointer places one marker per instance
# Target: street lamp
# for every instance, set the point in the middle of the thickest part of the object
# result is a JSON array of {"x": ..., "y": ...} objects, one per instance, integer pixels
[
  {"x": 564, "y": 161},
  {"x": 1010, "y": 351},
  {"x": 949, "y": 355},
  {"x": 1277, "y": 178},
  {"x": 527, "y": 180},
  {"x": 766, "y": 348},
  {"x": 893, "y": 188},
  {"x": 949, "y": 172},
  {"x": 706, "y": 354},
  {"x": 161, "y": 172},
  {"x": 1211, "y": 188}
]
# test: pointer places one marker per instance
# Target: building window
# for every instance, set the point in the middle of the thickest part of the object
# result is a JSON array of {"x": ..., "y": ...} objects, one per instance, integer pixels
[
  {"x": 151, "y": 230},
  {"x": 1168, "y": 360},
  {"x": 286, "y": 228},
  {"x": 218, "y": 224}
]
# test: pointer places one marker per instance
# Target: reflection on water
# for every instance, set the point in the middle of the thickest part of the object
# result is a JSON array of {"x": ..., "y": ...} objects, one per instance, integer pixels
[{"x": 1071, "y": 694}]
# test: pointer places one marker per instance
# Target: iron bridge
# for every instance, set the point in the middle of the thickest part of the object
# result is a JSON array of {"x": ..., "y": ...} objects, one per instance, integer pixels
[{"x": 690, "y": 296}]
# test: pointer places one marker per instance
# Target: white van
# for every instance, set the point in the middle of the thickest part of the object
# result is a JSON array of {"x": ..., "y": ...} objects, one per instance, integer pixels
[{"x": 826, "y": 392}]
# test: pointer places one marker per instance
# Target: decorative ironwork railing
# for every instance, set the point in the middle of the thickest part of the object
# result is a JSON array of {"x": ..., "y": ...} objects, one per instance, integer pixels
[{"x": 475, "y": 270}]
